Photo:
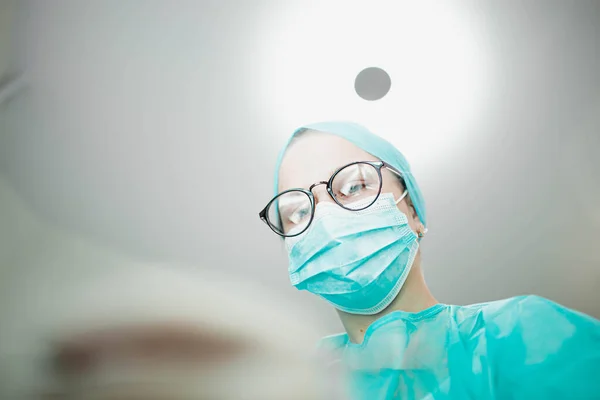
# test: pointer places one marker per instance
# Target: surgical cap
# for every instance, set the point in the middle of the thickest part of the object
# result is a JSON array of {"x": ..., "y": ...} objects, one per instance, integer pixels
[{"x": 372, "y": 144}]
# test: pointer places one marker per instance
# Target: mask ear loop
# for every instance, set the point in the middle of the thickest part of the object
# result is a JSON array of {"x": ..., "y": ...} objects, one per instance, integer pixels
[
  {"x": 401, "y": 197},
  {"x": 421, "y": 232}
]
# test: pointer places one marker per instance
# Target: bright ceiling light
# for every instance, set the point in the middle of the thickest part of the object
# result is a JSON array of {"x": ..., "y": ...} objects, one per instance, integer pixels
[{"x": 312, "y": 53}]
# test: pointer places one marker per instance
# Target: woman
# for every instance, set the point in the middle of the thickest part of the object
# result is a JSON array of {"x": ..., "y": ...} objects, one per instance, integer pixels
[{"x": 352, "y": 217}]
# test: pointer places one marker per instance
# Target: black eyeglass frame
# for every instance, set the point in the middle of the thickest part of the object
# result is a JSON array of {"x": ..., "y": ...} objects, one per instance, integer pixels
[{"x": 378, "y": 165}]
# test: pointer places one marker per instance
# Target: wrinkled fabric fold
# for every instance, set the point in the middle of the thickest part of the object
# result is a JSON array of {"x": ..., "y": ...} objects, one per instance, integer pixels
[
  {"x": 328, "y": 230},
  {"x": 356, "y": 260},
  {"x": 521, "y": 348}
]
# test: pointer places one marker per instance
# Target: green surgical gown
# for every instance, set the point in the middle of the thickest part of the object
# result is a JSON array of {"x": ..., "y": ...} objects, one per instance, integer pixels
[{"x": 520, "y": 348}]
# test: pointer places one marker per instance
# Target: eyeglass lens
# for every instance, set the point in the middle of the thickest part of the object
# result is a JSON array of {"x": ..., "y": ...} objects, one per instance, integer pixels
[{"x": 290, "y": 212}]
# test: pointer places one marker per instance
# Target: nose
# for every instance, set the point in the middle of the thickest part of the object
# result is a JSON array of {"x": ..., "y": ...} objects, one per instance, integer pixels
[{"x": 319, "y": 190}]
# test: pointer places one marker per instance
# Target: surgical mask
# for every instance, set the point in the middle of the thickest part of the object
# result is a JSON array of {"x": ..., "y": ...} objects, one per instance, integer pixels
[{"x": 356, "y": 260}]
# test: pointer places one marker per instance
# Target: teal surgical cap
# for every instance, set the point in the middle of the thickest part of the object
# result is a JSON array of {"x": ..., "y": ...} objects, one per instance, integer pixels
[{"x": 372, "y": 144}]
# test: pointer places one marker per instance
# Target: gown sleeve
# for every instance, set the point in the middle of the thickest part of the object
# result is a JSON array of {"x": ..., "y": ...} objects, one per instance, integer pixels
[{"x": 544, "y": 351}]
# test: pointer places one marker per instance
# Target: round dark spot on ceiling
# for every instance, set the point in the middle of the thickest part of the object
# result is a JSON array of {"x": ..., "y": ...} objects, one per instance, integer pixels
[{"x": 372, "y": 83}]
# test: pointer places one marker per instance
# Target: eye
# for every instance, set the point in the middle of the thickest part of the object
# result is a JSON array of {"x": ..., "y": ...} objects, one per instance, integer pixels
[
  {"x": 353, "y": 188},
  {"x": 299, "y": 215}
]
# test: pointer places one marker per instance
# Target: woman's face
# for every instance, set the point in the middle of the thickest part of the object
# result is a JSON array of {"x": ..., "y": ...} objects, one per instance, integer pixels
[{"x": 315, "y": 156}]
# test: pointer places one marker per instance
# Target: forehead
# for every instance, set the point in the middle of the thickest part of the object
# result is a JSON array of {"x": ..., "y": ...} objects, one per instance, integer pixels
[{"x": 314, "y": 156}]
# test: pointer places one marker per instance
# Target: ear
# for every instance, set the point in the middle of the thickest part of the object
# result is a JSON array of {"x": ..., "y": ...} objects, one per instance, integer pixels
[{"x": 413, "y": 212}]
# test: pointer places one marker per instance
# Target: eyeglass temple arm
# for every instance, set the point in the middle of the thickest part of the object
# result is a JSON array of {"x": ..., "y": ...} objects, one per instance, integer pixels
[
  {"x": 395, "y": 172},
  {"x": 392, "y": 169}
]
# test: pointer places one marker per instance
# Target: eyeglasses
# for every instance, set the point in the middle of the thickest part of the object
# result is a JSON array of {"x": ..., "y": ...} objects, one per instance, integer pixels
[{"x": 291, "y": 212}]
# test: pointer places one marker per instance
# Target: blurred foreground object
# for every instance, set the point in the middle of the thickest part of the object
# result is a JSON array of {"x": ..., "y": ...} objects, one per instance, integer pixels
[{"x": 81, "y": 322}]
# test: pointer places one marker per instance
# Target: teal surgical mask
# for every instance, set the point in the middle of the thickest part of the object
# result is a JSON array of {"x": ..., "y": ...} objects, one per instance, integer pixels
[{"x": 356, "y": 260}]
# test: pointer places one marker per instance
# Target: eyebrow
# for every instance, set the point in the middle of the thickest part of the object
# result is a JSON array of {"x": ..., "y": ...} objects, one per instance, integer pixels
[
  {"x": 336, "y": 169},
  {"x": 289, "y": 203}
]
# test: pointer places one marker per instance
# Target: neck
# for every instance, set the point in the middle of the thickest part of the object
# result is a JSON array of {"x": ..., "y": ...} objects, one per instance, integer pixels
[{"x": 413, "y": 297}]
